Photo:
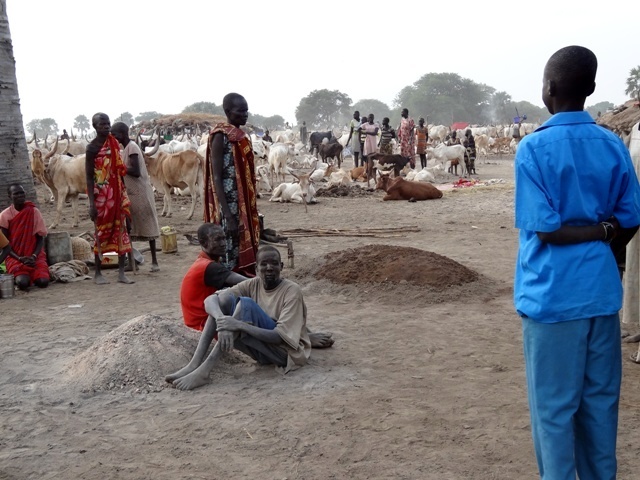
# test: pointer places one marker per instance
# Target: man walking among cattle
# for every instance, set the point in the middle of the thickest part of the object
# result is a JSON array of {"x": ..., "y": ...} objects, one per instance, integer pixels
[
  {"x": 108, "y": 200},
  {"x": 577, "y": 204},
  {"x": 354, "y": 134}
]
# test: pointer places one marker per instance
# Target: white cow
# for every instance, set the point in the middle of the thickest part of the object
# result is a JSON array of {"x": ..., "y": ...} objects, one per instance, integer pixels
[
  {"x": 443, "y": 154},
  {"x": 438, "y": 133},
  {"x": 279, "y": 153}
]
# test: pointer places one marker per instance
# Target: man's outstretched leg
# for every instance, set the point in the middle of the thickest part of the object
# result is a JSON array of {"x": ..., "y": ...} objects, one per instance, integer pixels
[
  {"x": 208, "y": 334},
  {"x": 227, "y": 306}
]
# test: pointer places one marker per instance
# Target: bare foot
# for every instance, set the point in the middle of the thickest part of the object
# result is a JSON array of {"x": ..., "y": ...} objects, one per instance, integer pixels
[
  {"x": 193, "y": 380},
  {"x": 100, "y": 280},
  {"x": 155, "y": 267},
  {"x": 122, "y": 278},
  {"x": 179, "y": 374},
  {"x": 634, "y": 358},
  {"x": 632, "y": 339},
  {"x": 321, "y": 340}
]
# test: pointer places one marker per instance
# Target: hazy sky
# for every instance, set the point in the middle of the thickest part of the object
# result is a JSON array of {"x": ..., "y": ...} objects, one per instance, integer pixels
[{"x": 80, "y": 57}]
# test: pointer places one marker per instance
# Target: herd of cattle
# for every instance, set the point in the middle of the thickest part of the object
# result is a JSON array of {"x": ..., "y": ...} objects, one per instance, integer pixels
[{"x": 176, "y": 167}]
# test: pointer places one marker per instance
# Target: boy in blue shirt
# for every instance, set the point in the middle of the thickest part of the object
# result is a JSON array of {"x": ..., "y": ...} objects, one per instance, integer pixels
[{"x": 577, "y": 204}]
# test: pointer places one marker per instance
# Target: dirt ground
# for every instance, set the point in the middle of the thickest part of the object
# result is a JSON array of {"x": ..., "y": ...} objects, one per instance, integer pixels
[{"x": 425, "y": 380}]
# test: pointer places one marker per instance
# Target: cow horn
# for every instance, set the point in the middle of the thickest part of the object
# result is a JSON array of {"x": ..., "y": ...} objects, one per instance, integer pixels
[
  {"x": 53, "y": 150},
  {"x": 35, "y": 139},
  {"x": 156, "y": 147},
  {"x": 45, "y": 141},
  {"x": 66, "y": 149},
  {"x": 73, "y": 137}
]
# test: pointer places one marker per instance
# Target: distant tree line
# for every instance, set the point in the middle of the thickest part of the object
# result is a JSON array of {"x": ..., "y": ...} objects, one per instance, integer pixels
[{"x": 444, "y": 97}]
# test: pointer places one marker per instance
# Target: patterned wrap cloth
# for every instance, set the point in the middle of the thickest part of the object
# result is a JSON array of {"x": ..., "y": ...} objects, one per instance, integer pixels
[
  {"x": 406, "y": 137},
  {"x": 239, "y": 183},
  {"x": 23, "y": 226},
  {"x": 111, "y": 200}
]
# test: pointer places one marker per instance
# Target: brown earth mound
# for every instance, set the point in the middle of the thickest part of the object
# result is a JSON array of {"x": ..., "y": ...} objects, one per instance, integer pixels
[
  {"x": 394, "y": 264},
  {"x": 622, "y": 119},
  {"x": 343, "y": 191},
  {"x": 137, "y": 355}
]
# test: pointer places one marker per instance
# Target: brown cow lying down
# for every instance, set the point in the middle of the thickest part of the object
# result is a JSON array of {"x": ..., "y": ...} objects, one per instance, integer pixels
[
  {"x": 398, "y": 161},
  {"x": 400, "y": 189}
]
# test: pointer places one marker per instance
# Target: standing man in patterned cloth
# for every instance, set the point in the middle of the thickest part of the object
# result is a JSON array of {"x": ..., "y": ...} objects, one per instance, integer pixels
[
  {"x": 229, "y": 187},
  {"x": 108, "y": 200},
  {"x": 406, "y": 137}
]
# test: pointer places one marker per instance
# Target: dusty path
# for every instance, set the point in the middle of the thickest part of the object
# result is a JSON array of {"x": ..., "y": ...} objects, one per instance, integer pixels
[{"x": 419, "y": 385}]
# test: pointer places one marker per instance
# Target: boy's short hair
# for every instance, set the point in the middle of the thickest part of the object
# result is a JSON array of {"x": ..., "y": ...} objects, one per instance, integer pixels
[
  {"x": 268, "y": 248},
  {"x": 207, "y": 230},
  {"x": 573, "y": 69}
]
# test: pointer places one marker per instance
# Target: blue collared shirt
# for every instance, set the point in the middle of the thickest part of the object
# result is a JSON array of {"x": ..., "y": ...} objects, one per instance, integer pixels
[{"x": 570, "y": 171}]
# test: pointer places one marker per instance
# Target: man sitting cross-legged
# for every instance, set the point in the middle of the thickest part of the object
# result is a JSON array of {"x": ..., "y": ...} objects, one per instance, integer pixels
[{"x": 264, "y": 317}]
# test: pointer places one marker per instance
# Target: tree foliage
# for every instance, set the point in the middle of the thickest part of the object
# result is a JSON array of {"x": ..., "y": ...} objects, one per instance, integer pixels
[
  {"x": 599, "y": 108},
  {"x": 371, "y": 105},
  {"x": 274, "y": 122},
  {"x": 43, "y": 126},
  {"x": 146, "y": 116},
  {"x": 534, "y": 113},
  {"x": 204, "y": 107},
  {"x": 633, "y": 83},
  {"x": 324, "y": 109},
  {"x": 446, "y": 98},
  {"x": 126, "y": 118},
  {"x": 81, "y": 123}
]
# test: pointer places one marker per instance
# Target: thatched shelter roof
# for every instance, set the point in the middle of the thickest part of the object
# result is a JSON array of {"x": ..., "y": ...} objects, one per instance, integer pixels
[
  {"x": 181, "y": 121},
  {"x": 621, "y": 119}
]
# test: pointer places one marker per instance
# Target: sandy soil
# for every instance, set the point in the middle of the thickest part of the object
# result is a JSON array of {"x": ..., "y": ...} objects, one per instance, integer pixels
[{"x": 424, "y": 381}]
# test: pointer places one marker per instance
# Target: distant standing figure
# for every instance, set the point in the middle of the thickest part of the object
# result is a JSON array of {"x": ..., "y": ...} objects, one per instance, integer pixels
[
  {"x": 454, "y": 140},
  {"x": 370, "y": 131},
  {"x": 354, "y": 125},
  {"x": 470, "y": 155},
  {"x": 230, "y": 187},
  {"x": 108, "y": 200},
  {"x": 65, "y": 135},
  {"x": 422, "y": 135},
  {"x": 266, "y": 137},
  {"x": 144, "y": 218},
  {"x": 406, "y": 137},
  {"x": 387, "y": 134},
  {"x": 304, "y": 135}
]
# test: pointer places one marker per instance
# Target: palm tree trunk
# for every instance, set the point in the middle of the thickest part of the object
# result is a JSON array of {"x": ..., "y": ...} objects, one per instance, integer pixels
[{"x": 14, "y": 157}]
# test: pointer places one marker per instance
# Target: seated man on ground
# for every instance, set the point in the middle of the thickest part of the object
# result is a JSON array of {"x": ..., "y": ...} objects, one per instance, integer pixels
[
  {"x": 207, "y": 275},
  {"x": 24, "y": 227},
  {"x": 264, "y": 317}
]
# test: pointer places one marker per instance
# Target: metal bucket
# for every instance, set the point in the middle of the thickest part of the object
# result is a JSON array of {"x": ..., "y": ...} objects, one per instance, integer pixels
[{"x": 7, "y": 286}]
